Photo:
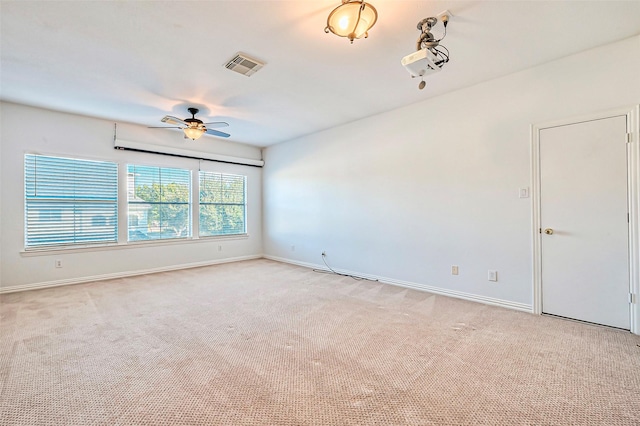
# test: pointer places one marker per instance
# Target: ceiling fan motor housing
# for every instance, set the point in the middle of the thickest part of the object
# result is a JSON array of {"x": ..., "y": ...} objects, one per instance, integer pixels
[{"x": 193, "y": 121}]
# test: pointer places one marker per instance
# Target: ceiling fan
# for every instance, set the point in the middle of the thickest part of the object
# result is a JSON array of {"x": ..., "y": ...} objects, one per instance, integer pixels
[{"x": 192, "y": 127}]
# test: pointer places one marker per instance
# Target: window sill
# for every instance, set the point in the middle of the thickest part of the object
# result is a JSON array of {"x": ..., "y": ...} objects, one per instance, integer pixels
[{"x": 130, "y": 245}]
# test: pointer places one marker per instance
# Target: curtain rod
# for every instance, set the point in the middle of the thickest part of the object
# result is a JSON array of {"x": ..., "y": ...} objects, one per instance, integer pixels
[
  {"x": 182, "y": 153},
  {"x": 123, "y": 148}
]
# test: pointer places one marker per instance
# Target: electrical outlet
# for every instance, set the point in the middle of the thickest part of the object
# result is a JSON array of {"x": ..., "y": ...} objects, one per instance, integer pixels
[
  {"x": 58, "y": 263},
  {"x": 493, "y": 275},
  {"x": 454, "y": 269}
]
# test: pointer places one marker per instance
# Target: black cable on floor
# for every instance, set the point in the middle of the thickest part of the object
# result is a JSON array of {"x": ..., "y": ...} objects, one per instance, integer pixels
[{"x": 331, "y": 271}]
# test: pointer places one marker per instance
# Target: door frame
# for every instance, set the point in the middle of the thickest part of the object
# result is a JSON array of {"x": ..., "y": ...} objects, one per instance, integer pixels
[{"x": 633, "y": 200}]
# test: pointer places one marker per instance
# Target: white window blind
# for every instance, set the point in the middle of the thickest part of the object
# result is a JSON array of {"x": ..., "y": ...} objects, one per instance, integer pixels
[
  {"x": 69, "y": 201},
  {"x": 159, "y": 202},
  {"x": 222, "y": 204}
]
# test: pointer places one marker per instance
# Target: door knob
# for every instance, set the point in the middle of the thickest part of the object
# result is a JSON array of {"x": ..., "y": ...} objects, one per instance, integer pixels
[{"x": 548, "y": 231}]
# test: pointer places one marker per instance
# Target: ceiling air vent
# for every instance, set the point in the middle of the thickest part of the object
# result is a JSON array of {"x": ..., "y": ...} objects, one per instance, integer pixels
[{"x": 244, "y": 65}]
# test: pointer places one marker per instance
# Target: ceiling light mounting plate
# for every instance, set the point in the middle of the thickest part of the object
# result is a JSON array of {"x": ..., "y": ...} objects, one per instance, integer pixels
[{"x": 444, "y": 16}]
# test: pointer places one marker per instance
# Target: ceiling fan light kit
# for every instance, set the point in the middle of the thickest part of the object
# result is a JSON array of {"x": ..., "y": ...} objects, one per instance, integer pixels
[
  {"x": 352, "y": 19},
  {"x": 195, "y": 127},
  {"x": 193, "y": 133}
]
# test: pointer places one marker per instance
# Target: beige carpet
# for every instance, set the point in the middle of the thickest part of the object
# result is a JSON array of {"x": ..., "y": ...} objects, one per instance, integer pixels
[{"x": 265, "y": 343}]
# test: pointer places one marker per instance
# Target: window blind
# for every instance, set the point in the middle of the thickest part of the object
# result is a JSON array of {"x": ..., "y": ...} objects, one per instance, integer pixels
[
  {"x": 159, "y": 202},
  {"x": 69, "y": 201},
  {"x": 222, "y": 204}
]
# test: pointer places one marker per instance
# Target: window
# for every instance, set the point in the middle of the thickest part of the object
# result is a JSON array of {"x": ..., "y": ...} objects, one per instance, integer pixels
[
  {"x": 159, "y": 203},
  {"x": 74, "y": 202},
  {"x": 222, "y": 204},
  {"x": 69, "y": 201}
]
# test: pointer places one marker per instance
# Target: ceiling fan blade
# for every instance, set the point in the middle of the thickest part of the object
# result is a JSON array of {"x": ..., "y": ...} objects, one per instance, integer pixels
[
  {"x": 217, "y": 124},
  {"x": 173, "y": 120},
  {"x": 164, "y": 127},
  {"x": 217, "y": 133}
]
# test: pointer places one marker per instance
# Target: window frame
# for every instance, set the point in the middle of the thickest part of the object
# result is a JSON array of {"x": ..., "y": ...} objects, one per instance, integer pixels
[
  {"x": 189, "y": 203},
  {"x": 208, "y": 203}
]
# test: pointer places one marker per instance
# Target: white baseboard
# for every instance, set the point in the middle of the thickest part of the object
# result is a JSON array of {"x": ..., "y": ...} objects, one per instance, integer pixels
[
  {"x": 422, "y": 287},
  {"x": 81, "y": 280}
]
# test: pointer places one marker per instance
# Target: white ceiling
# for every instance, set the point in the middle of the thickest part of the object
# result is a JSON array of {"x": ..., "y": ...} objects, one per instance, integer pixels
[{"x": 136, "y": 61}]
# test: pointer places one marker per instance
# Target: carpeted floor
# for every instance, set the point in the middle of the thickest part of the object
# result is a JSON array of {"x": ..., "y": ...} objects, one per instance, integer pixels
[{"x": 265, "y": 343}]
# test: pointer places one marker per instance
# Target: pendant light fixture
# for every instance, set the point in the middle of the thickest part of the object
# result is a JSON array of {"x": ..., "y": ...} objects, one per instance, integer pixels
[{"x": 352, "y": 19}]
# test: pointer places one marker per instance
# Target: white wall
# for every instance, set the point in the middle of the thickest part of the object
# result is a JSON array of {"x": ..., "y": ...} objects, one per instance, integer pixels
[
  {"x": 33, "y": 130},
  {"x": 406, "y": 194}
]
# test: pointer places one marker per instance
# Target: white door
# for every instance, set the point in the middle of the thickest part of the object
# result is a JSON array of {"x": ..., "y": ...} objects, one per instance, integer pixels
[{"x": 583, "y": 213}]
